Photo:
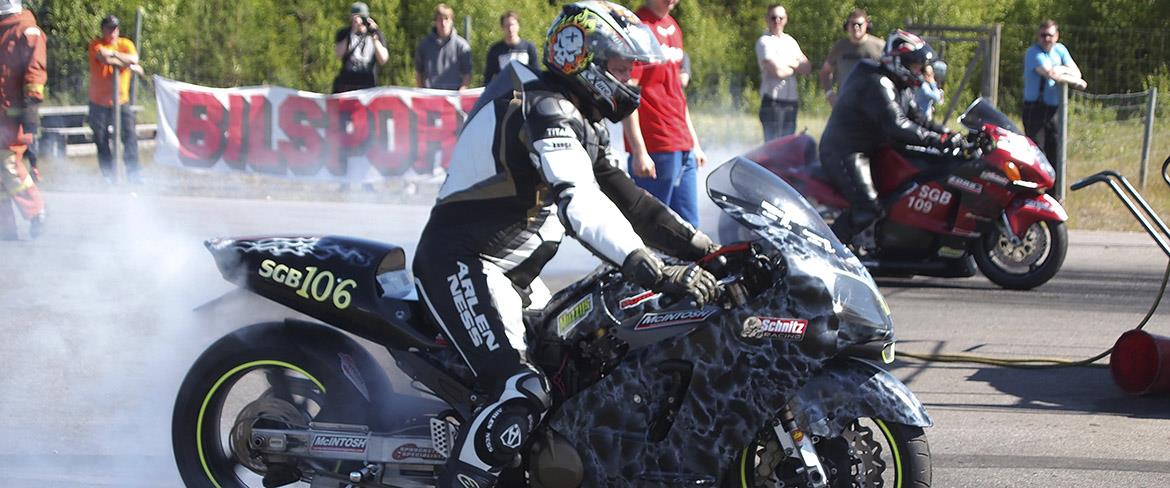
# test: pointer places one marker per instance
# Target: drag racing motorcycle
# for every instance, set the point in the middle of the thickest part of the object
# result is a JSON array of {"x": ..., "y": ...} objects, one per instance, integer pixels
[
  {"x": 944, "y": 211},
  {"x": 779, "y": 384}
]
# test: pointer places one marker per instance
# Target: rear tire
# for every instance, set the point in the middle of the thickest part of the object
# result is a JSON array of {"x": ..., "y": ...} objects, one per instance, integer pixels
[
  {"x": 283, "y": 374},
  {"x": 1025, "y": 266},
  {"x": 871, "y": 452}
]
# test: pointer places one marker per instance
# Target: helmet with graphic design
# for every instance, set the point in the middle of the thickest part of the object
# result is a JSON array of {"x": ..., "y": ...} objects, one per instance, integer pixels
[
  {"x": 10, "y": 7},
  {"x": 903, "y": 52},
  {"x": 581, "y": 42}
]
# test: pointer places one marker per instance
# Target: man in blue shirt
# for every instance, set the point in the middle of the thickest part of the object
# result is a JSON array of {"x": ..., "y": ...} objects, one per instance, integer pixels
[{"x": 1046, "y": 63}]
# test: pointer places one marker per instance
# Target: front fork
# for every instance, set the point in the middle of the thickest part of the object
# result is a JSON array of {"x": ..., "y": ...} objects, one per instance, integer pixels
[{"x": 799, "y": 446}]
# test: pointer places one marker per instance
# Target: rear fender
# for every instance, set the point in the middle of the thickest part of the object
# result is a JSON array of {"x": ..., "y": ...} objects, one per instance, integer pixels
[
  {"x": 366, "y": 379},
  {"x": 1024, "y": 211},
  {"x": 851, "y": 388}
]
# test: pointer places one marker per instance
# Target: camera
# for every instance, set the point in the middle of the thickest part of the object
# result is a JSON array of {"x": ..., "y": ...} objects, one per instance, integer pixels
[{"x": 366, "y": 20}]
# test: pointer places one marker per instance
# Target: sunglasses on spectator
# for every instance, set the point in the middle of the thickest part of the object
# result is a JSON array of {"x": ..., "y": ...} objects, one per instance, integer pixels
[
  {"x": 776, "y": 17},
  {"x": 1046, "y": 35},
  {"x": 857, "y": 24}
]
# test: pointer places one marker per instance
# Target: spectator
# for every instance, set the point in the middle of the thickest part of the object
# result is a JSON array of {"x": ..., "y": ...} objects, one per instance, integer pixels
[
  {"x": 928, "y": 93},
  {"x": 846, "y": 53},
  {"x": 684, "y": 71},
  {"x": 1046, "y": 63},
  {"x": 509, "y": 48},
  {"x": 780, "y": 60},
  {"x": 22, "y": 89},
  {"x": 664, "y": 149},
  {"x": 359, "y": 47},
  {"x": 443, "y": 59},
  {"x": 109, "y": 54}
]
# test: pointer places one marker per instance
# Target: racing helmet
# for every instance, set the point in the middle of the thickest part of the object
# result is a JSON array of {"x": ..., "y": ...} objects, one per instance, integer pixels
[
  {"x": 902, "y": 50},
  {"x": 583, "y": 38},
  {"x": 10, "y": 7}
]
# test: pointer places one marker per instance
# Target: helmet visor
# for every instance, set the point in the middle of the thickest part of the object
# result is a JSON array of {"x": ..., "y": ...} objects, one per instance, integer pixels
[{"x": 640, "y": 45}]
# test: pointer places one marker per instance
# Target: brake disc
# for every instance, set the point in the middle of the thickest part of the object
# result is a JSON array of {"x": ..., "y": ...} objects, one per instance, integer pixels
[{"x": 1027, "y": 252}]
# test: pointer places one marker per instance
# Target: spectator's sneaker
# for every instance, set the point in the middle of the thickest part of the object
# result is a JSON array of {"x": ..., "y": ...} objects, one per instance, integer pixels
[{"x": 36, "y": 226}]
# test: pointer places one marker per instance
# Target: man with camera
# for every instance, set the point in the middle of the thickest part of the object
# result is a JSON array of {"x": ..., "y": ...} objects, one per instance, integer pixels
[{"x": 359, "y": 46}]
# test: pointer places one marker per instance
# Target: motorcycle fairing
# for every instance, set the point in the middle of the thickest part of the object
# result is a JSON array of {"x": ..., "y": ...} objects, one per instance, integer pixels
[
  {"x": 1025, "y": 211},
  {"x": 849, "y": 388},
  {"x": 333, "y": 279},
  {"x": 730, "y": 386}
]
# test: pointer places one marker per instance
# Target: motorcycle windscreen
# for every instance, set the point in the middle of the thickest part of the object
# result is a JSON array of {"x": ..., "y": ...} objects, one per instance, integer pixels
[
  {"x": 766, "y": 204},
  {"x": 982, "y": 111}
]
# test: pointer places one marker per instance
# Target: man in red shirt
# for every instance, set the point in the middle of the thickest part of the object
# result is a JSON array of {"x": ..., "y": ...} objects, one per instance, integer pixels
[
  {"x": 663, "y": 157},
  {"x": 22, "y": 88}
]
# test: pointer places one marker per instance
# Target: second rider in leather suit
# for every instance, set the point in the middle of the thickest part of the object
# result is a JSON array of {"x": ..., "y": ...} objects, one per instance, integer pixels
[
  {"x": 531, "y": 165},
  {"x": 876, "y": 107}
]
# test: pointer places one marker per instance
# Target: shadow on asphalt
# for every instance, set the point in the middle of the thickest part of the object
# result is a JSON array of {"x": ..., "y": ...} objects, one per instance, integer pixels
[{"x": 1065, "y": 389}]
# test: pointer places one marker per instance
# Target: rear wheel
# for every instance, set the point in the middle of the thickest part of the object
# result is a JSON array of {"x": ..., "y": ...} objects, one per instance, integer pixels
[
  {"x": 1025, "y": 264},
  {"x": 241, "y": 383},
  {"x": 869, "y": 453}
]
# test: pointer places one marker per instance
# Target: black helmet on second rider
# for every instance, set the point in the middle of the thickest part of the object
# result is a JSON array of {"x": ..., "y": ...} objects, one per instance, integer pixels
[
  {"x": 583, "y": 38},
  {"x": 903, "y": 51}
]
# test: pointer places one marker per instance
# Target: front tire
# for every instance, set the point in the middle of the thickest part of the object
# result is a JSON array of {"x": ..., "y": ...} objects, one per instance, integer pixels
[
  {"x": 869, "y": 453},
  {"x": 273, "y": 374},
  {"x": 1025, "y": 265}
]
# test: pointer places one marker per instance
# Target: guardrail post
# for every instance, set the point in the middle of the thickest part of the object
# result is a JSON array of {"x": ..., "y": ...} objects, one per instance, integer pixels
[
  {"x": 118, "y": 173},
  {"x": 1151, "y": 105},
  {"x": 1062, "y": 144}
]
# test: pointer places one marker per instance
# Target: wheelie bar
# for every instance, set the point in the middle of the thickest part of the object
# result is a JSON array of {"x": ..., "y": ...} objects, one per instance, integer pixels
[{"x": 1124, "y": 192}]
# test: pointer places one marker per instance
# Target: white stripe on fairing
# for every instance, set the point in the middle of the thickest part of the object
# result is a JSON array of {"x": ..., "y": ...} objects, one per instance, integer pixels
[
  {"x": 439, "y": 319},
  {"x": 472, "y": 160}
]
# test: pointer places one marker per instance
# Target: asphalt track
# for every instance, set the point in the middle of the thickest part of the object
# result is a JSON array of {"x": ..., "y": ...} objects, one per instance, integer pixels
[{"x": 98, "y": 328}]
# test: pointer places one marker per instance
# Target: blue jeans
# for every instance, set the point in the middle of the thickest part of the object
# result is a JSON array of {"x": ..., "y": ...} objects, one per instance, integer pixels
[{"x": 676, "y": 185}]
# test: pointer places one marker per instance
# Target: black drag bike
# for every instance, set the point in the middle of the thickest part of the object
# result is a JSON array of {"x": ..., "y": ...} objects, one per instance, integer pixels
[{"x": 779, "y": 384}]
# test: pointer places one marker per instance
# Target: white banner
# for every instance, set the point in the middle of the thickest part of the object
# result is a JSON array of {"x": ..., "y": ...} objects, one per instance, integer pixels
[{"x": 386, "y": 131}]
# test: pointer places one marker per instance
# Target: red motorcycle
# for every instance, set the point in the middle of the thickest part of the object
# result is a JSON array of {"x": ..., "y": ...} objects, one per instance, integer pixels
[{"x": 945, "y": 213}]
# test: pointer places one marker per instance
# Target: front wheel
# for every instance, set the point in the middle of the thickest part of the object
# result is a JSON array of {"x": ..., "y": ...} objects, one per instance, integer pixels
[
  {"x": 869, "y": 453},
  {"x": 1025, "y": 264}
]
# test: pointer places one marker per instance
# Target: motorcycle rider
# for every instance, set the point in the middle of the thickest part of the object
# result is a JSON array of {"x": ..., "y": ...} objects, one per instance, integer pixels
[
  {"x": 530, "y": 165},
  {"x": 876, "y": 107},
  {"x": 22, "y": 88}
]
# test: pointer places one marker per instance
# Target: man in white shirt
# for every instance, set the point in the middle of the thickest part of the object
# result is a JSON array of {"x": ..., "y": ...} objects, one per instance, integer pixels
[{"x": 780, "y": 60}]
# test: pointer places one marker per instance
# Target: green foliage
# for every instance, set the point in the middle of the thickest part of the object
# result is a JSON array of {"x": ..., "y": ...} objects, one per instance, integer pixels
[{"x": 1120, "y": 44}]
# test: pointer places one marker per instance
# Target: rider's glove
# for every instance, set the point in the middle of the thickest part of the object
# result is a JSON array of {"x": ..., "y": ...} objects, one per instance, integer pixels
[
  {"x": 952, "y": 143},
  {"x": 702, "y": 245},
  {"x": 645, "y": 269}
]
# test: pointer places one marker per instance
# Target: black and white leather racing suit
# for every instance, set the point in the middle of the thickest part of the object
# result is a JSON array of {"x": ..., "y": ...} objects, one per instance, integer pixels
[
  {"x": 528, "y": 167},
  {"x": 873, "y": 109}
]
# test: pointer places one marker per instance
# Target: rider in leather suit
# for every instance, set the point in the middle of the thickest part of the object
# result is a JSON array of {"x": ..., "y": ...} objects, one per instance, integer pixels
[
  {"x": 530, "y": 165},
  {"x": 876, "y": 107}
]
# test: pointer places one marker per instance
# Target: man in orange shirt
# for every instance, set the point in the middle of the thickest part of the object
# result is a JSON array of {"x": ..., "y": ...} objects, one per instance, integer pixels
[
  {"x": 107, "y": 54},
  {"x": 22, "y": 89}
]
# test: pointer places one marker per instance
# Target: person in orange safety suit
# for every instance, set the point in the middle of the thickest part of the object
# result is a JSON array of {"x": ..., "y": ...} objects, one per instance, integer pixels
[{"x": 22, "y": 89}]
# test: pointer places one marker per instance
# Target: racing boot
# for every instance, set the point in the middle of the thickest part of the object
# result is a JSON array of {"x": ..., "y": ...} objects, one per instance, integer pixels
[
  {"x": 495, "y": 436},
  {"x": 856, "y": 184},
  {"x": 36, "y": 225}
]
